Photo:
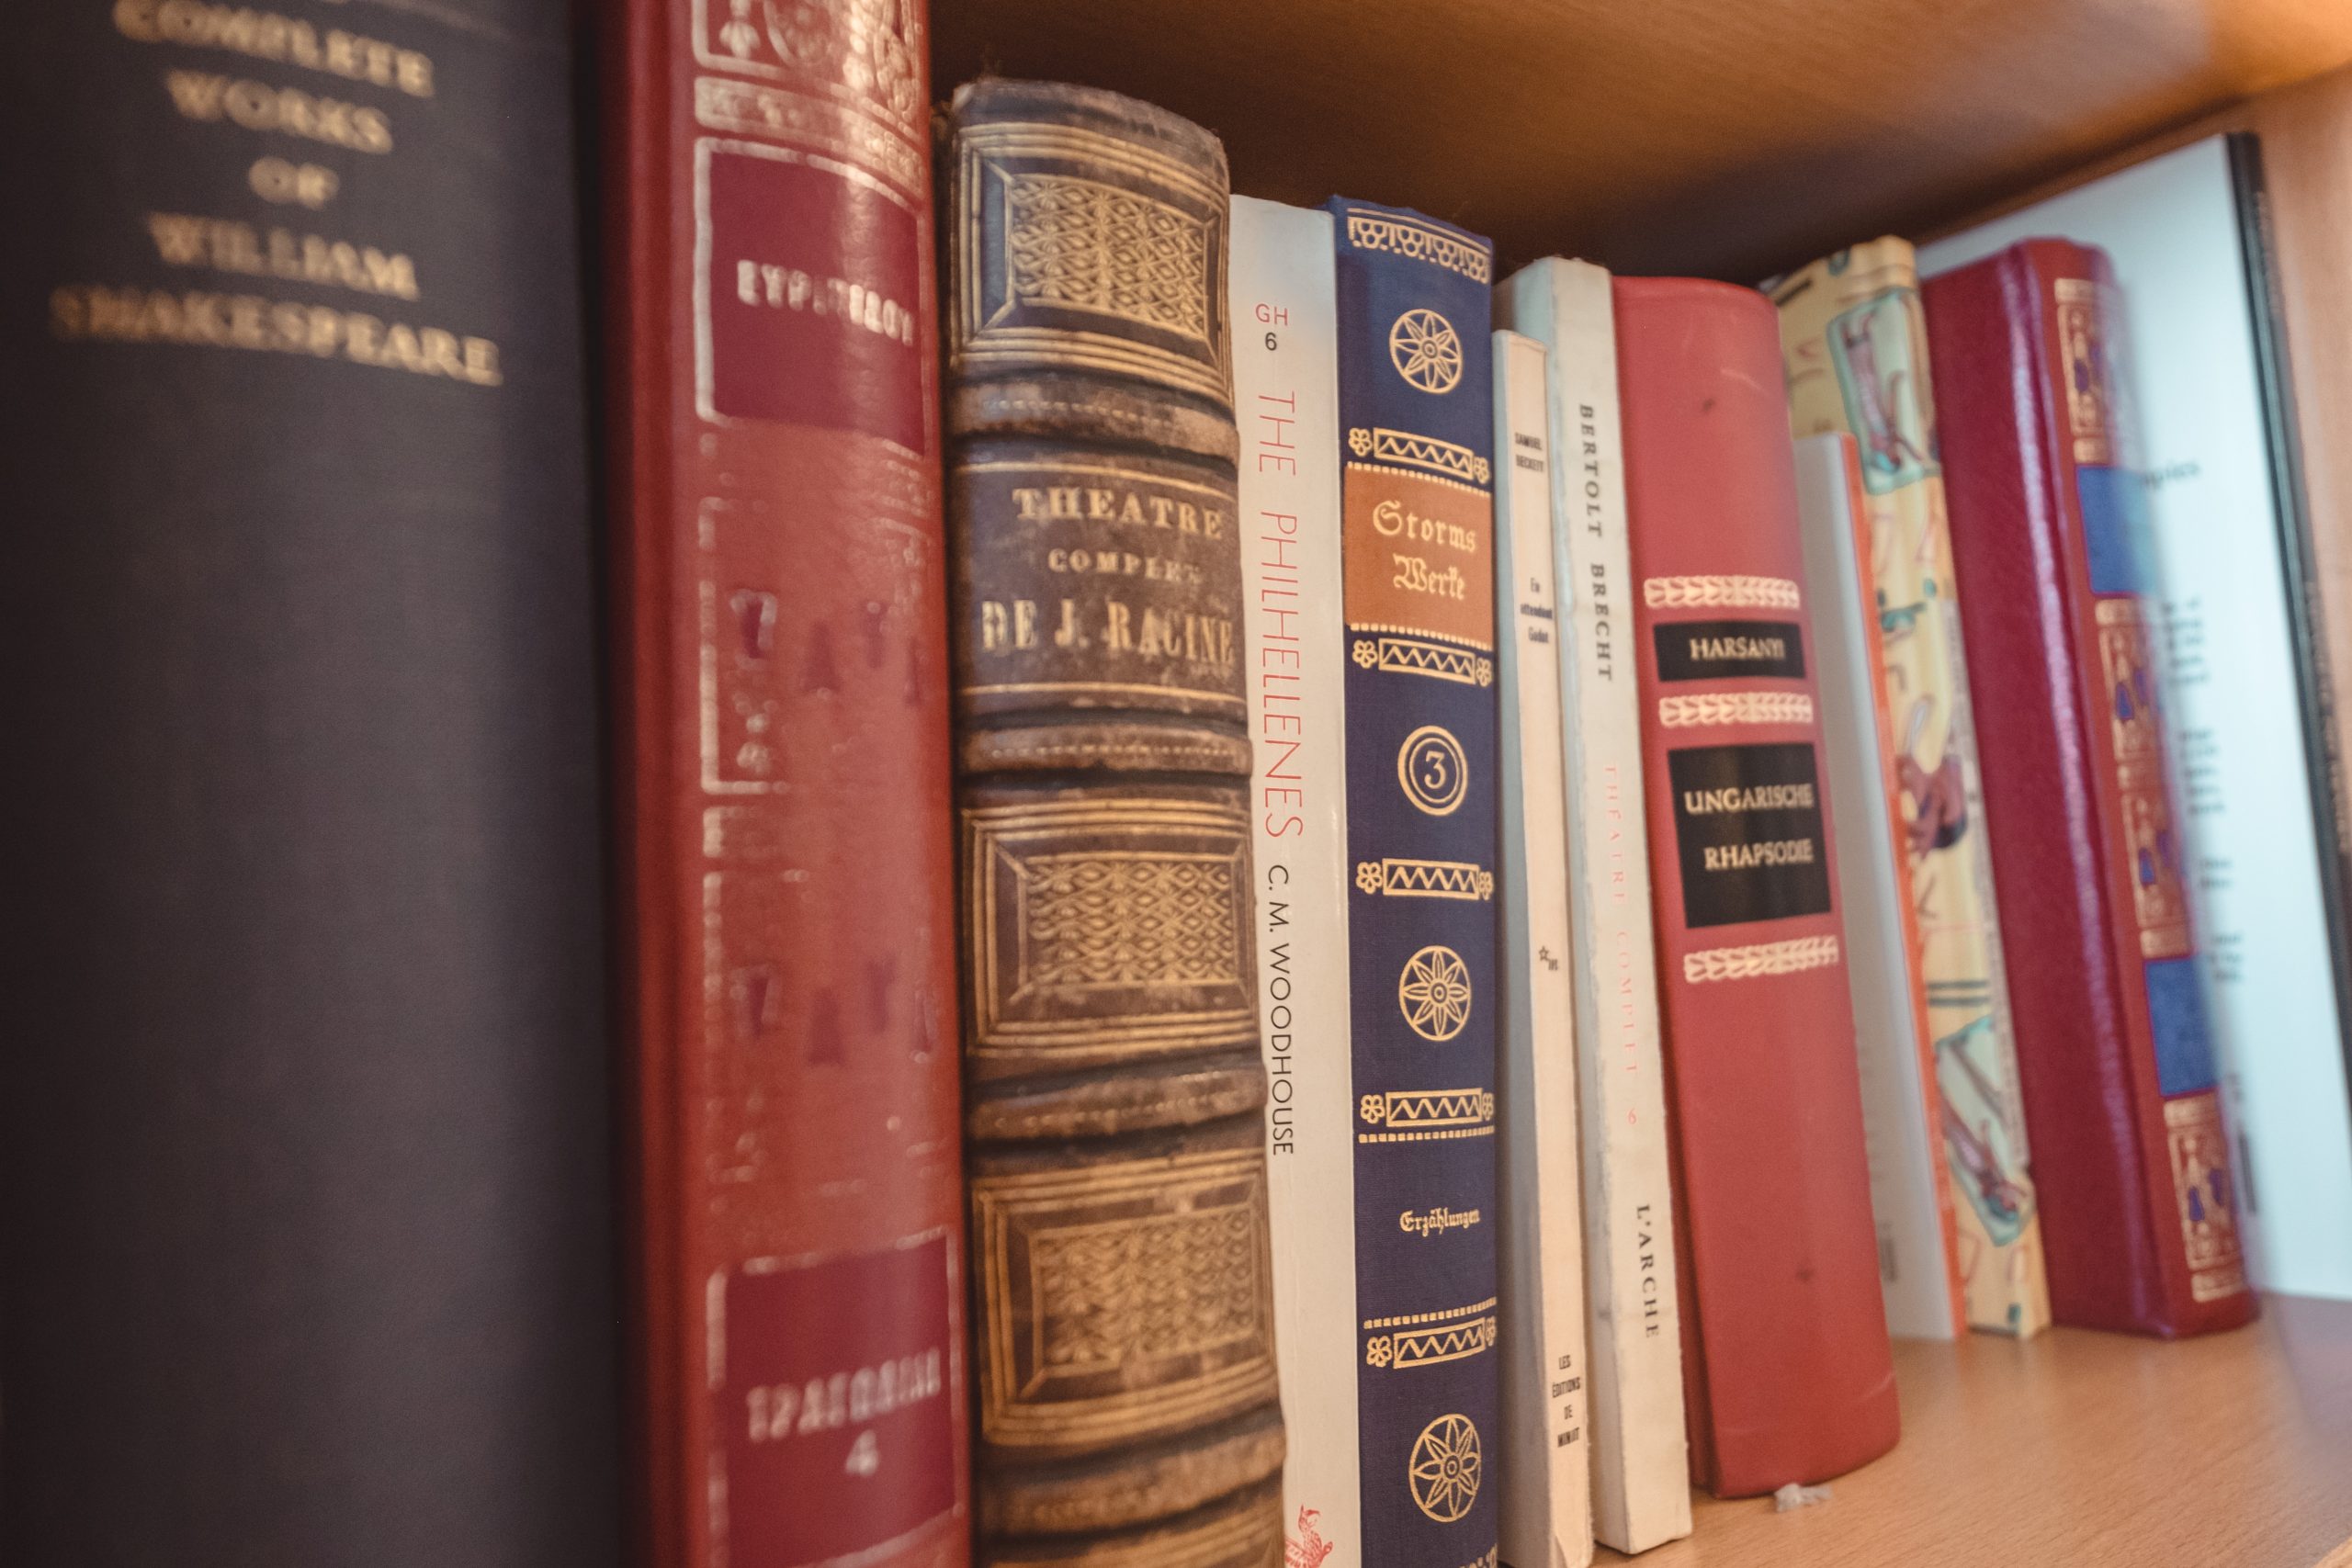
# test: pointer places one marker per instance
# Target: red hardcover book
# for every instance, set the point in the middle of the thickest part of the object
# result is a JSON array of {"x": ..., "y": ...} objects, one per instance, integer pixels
[
  {"x": 1787, "y": 1375},
  {"x": 2114, "y": 1051},
  {"x": 782, "y": 714}
]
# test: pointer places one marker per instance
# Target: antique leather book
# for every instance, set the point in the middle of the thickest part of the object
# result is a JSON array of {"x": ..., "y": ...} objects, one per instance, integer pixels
[
  {"x": 797, "y": 1243},
  {"x": 1857, "y": 360},
  {"x": 1786, "y": 1370},
  {"x": 1123, "y": 1338},
  {"x": 305, "y": 1199},
  {"x": 1417, "y": 415},
  {"x": 2114, "y": 1042},
  {"x": 1641, "y": 1469}
]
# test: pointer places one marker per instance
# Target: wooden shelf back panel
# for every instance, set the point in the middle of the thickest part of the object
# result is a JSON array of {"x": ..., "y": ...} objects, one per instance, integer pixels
[
  {"x": 1725, "y": 137},
  {"x": 2096, "y": 1450}
]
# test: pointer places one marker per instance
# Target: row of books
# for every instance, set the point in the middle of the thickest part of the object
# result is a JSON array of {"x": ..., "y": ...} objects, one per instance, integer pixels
[{"x": 1237, "y": 918}]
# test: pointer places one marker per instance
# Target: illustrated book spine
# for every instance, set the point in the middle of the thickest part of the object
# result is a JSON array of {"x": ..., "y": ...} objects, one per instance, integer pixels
[
  {"x": 1641, "y": 1478},
  {"x": 1126, "y": 1395},
  {"x": 1901, "y": 1134},
  {"x": 1854, "y": 347},
  {"x": 797, "y": 1246},
  {"x": 1417, "y": 417},
  {"x": 1788, "y": 1373},
  {"x": 1286, "y": 392},
  {"x": 305, "y": 1107},
  {"x": 1546, "y": 1477},
  {"x": 2113, "y": 1039}
]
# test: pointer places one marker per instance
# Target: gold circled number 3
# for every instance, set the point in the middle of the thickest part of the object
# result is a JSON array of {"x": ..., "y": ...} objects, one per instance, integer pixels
[{"x": 1433, "y": 770}]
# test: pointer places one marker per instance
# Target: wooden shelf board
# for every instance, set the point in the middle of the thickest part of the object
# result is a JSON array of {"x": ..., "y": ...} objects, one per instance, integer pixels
[
  {"x": 2086, "y": 1450},
  {"x": 1725, "y": 137}
]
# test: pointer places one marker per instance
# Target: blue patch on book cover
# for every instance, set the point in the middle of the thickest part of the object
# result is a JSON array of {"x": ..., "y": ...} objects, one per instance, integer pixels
[
  {"x": 2184, "y": 1037},
  {"x": 2115, "y": 524}
]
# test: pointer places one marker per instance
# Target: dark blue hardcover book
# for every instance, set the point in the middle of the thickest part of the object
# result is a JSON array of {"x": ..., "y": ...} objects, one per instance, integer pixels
[{"x": 1417, "y": 417}]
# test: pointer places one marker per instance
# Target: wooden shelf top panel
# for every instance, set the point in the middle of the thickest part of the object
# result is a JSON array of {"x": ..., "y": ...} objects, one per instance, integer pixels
[
  {"x": 2096, "y": 1450},
  {"x": 1727, "y": 136}
]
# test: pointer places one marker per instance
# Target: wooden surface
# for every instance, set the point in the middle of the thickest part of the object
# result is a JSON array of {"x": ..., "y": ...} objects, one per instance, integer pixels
[
  {"x": 2085, "y": 1449},
  {"x": 1729, "y": 137}
]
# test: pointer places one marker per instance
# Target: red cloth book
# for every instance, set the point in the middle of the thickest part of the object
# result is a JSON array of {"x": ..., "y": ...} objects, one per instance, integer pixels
[
  {"x": 782, "y": 714},
  {"x": 2114, "y": 1051},
  {"x": 1787, "y": 1373}
]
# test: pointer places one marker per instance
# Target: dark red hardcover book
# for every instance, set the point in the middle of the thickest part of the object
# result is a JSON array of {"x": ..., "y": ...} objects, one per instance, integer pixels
[
  {"x": 781, "y": 703},
  {"x": 2114, "y": 1050},
  {"x": 1787, "y": 1374}
]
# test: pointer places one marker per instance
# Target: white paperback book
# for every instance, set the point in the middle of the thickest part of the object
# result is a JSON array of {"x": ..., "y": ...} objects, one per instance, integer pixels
[
  {"x": 1641, "y": 1478},
  {"x": 1286, "y": 402},
  {"x": 2176, "y": 230},
  {"x": 1547, "y": 1482},
  {"x": 1901, "y": 1129}
]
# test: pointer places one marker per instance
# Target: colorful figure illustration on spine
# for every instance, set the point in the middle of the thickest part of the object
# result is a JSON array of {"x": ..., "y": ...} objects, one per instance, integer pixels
[
  {"x": 1886, "y": 408},
  {"x": 1977, "y": 1132}
]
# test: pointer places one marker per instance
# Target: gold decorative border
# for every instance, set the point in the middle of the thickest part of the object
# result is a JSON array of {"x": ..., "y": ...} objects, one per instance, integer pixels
[
  {"x": 749, "y": 108},
  {"x": 1403, "y": 1108},
  {"x": 1408, "y": 1348},
  {"x": 974, "y": 346},
  {"x": 1382, "y": 445},
  {"x": 1437, "y": 1135},
  {"x": 1720, "y": 592},
  {"x": 1397, "y": 655},
  {"x": 1699, "y": 709},
  {"x": 1391, "y": 234},
  {"x": 1424, "y": 879},
  {"x": 997, "y": 1200},
  {"x": 1125, "y": 1036},
  {"x": 1764, "y": 959}
]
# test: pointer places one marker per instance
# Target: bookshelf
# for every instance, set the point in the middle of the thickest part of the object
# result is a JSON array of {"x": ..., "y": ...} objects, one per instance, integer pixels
[
  {"x": 1735, "y": 137},
  {"x": 2089, "y": 1449},
  {"x": 1729, "y": 138}
]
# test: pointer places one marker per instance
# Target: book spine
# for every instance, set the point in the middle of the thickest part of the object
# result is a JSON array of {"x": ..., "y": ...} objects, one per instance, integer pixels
[
  {"x": 304, "y": 1109},
  {"x": 2306, "y": 620},
  {"x": 1855, "y": 348},
  {"x": 2114, "y": 1027},
  {"x": 1123, "y": 1353},
  {"x": 1286, "y": 391},
  {"x": 1641, "y": 1479},
  {"x": 1783, "y": 1323},
  {"x": 798, "y": 1243},
  {"x": 1901, "y": 1134},
  {"x": 1547, "y": 1491},
  {"x": 1417, "y": 407}
]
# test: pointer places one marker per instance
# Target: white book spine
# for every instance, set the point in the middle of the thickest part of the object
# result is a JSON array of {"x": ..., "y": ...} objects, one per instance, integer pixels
[
  {"x": 1905, "y": 1143},
  {"x": 1547, "y": 1480},
  {"x": 1641, "y": 1492},
  {"x": 1285, "y": 384}
]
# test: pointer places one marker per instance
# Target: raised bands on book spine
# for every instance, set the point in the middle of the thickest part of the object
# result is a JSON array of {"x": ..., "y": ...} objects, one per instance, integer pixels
[{"x": 1124, "y": 1313}]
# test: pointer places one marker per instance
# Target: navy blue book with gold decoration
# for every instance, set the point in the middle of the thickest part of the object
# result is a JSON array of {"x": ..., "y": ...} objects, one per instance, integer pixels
[{"x": 1417, "y": 420}]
